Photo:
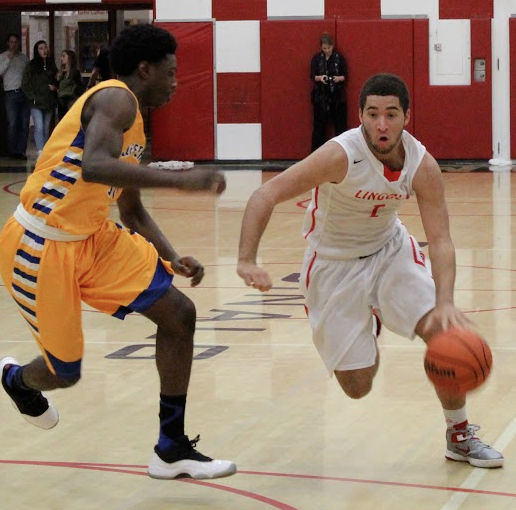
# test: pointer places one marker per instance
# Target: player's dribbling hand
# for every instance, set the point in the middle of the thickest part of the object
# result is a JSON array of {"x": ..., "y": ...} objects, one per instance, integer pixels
[
  {"x": 189, "y": 268},
  {"x": 443, "y": 317},
  {"x": 254, "y": 276}
]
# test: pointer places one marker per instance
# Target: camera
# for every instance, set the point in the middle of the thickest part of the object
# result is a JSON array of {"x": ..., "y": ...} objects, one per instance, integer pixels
[{"x": 331, "y": 83}]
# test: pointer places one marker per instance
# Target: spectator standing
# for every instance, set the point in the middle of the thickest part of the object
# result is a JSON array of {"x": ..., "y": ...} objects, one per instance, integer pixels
[
  {"x": 12, "y": 66},
  {"x": 329, "y": 73},
  {"x": 70, "y": 85},
  {"x": 101, "y": 68},
  {"x": 39, "y": 84}
]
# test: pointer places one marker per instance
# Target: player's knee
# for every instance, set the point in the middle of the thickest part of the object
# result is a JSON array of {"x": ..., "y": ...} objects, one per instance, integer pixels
[
  {"x": 355, "y": 386},
  {"x": 188, "y": 311},
  {"x": 423, "y": 331},
  {"x": 357, "y": 391},
  {"x": 181, "y": 318}
]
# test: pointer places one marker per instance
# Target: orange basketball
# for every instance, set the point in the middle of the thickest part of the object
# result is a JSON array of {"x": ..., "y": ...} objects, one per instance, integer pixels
[{"x": 457, "y": 360}]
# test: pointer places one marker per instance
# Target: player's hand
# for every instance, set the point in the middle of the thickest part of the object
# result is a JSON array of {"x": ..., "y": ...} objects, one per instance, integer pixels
[
  {"x": 254, "y": 276},
  {"x": 189, "y": 268},
  {"x": 445, "y": 317},
  {"x": 203, "y": 179}
]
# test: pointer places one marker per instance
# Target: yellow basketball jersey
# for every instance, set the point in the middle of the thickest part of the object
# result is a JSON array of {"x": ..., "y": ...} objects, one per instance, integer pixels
[{"x": 56, "y": 194}]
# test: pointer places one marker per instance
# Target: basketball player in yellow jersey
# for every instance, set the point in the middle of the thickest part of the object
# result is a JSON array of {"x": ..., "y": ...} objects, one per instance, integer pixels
[{"x": 59, "y": 248}]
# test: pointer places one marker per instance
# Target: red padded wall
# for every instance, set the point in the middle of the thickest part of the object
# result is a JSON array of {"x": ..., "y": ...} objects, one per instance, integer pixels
[
  {"x": 286, "y": 85},
  {"x": 376, "y": 46},
  {"x": 454, "y": 122},
  {"x": 351, "y": 9},
  {"x": 225, "y": 10},
  {"x": 451, "y": 9},
  {"x": 238, "y": 98},
  {"x": 512, "y": 49},
  {"x": 184, "y": 129}
]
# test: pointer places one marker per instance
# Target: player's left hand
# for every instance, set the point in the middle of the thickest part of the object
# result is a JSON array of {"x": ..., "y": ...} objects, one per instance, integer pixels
[{"x": 189, "y": 268}]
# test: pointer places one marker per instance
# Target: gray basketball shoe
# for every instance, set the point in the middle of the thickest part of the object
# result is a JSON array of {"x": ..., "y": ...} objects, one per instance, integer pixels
[{"x": 463, "y": 445}]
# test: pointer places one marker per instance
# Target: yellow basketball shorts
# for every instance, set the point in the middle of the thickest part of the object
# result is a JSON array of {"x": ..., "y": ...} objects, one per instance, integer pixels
[{"x": 115, "y": 270}]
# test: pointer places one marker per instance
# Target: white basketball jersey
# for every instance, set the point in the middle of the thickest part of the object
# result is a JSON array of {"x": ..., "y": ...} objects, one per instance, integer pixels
[{"x": 357, "y": 216}]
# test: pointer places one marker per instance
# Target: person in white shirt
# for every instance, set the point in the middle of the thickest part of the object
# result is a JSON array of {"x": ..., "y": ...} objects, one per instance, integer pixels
[
  {"x": 12, "y": 66},
  {"x": 361, "y": 266}
]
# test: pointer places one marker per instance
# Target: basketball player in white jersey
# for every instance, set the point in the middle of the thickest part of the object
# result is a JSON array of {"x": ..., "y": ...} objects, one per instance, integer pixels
[{"x": 361, "y": 258}]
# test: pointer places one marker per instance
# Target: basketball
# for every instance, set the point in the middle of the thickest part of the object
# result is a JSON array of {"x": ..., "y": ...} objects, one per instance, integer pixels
[{"x": 457, "y": 360}]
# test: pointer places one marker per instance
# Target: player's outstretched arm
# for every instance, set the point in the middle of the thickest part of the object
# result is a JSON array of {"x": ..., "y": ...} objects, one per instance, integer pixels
[
  {"x": 106, "y": 115},
  {"x": 327, "y": 164},
  {"x": 429, "y": 187}
]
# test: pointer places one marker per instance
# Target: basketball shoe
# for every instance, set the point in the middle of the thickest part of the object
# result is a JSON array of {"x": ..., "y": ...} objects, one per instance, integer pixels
[
  {"x": 185, "y": 461},
  {"x": 464, "y": 445},
  {"x": 32, "y": 404}
]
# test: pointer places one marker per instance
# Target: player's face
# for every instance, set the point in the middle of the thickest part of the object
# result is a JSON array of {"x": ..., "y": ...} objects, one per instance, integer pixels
[
  {"x": 383, "y": 121},
  {"x": 163, "y": 81}
]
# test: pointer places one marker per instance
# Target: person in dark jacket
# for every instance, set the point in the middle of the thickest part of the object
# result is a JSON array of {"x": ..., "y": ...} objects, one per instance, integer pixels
[
  {"x": 329, "y": 73},
  {"x": 70, "y": 83},
  {"x": 101, "y": 68},
  {"x": 39, "y": 84}
]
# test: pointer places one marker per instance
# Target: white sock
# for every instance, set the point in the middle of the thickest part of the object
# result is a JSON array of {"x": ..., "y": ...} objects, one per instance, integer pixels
[{"x": 455, "y": 416}]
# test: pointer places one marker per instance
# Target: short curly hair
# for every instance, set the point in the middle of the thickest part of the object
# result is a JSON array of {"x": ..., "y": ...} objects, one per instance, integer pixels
[
  {"x": 385, "y": 84},
  {"x": 139, "y": 43}
]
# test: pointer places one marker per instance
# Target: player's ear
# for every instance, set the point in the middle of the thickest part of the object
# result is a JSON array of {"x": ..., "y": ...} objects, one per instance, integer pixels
[
  {"x": 407, "y": 117},
  {"x": 144, "y": 69},
  {"x": 360, "y": 115}
]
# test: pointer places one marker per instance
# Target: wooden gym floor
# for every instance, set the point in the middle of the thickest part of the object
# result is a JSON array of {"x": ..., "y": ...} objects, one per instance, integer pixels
[{"x": 259, "y": 394}]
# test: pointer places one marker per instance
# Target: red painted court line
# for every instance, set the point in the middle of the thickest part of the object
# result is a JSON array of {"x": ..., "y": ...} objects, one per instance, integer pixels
[
  {"x": 125, "y": 468},
  {"x": 263, "y": 499},
  {"x": 7, "y": 188},
  {"x": 382, "y": 482}
]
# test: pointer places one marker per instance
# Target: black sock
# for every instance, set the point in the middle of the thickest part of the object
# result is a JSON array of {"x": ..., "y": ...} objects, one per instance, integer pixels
[
  {"x": 171, "y": 420},
  {"x": 14, "y": 379}
]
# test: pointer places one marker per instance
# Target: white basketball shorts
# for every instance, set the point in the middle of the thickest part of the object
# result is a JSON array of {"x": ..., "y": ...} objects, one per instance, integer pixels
[{"x": 340, "y": 295}]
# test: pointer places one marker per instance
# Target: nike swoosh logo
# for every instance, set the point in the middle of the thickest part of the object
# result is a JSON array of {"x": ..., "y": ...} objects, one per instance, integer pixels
[
  {"x": 465, "y": 451},
  {"x": 356, "y": 161}
]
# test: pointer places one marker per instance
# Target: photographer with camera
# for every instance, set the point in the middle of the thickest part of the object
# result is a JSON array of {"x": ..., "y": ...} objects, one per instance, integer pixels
[{"x": 328, "y": 71}]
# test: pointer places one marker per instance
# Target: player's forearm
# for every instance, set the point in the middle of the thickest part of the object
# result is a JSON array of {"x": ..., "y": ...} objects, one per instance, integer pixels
[
  {"x": 254, "y": 223},
  {"x": 442, "y": 258},
  {"x": 121, "y": 174},
  {"x": 140, "y": 221}
]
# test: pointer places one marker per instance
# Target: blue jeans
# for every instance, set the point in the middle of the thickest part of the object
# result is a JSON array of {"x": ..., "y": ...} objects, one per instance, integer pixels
[
  {"x": 17, "y": 108},
  {"x": 42, "y": 119}
]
